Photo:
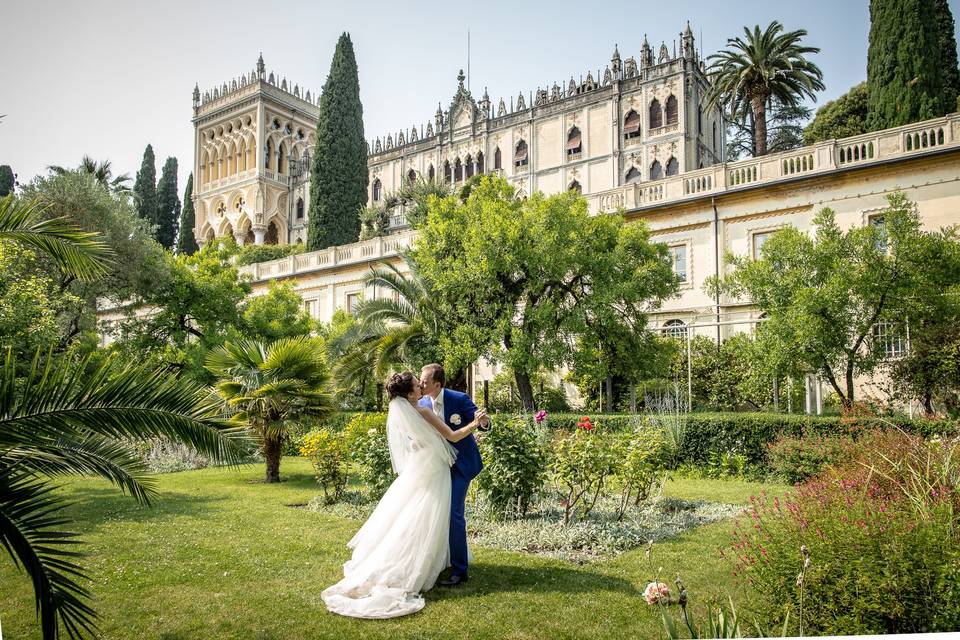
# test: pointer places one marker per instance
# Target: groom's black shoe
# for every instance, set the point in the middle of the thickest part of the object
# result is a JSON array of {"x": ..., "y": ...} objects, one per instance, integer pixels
[{"x": 453, "y": 581}]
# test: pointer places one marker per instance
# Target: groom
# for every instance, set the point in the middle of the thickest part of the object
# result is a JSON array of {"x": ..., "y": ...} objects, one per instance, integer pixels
[{"x": 456, "y": 409}]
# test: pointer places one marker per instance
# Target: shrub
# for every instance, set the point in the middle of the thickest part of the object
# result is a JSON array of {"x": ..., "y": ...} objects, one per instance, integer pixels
[
  {"x": 365, "y": 438},
  {"x": 797, "y": 459},
  {"x": 251, "y": 253},
  {"x": 642, "y": 458},
  {"x": 328, "y": 455},
  {"x": 882, "y": 535},
  {"x": 504, "y": 398},
  {"x": 582, "y": 462},
  {"x": 515, "y": 466}
]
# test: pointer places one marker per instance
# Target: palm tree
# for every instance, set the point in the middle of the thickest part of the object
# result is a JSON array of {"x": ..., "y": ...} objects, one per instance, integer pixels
[
  {"x": 396, "y": 330},
  {"x": 102, "y": 173},
  {"x": 766, "y": 65},
  {"x": 412, "y": 198},
  {"x": 78, "y": 253},
  {"x": 271, "y": 385},
  {"x": 66, "y": 419}
]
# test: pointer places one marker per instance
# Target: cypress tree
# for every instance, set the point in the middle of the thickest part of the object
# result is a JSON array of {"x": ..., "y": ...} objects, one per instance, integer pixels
[
  {"x": 948, "y": 54},
  {"x": 168, "y": 205},
  {"x": 904, "y": 64},
  {"x": 186, "y": 241},
  {"x": 338, "y": 176},
  {"x": 7, "y": 180},
  {"x": 145, "y": 188}
]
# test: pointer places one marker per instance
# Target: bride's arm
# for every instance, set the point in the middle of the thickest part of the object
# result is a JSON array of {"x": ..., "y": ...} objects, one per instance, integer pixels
[{"x": 441, "y": 426}]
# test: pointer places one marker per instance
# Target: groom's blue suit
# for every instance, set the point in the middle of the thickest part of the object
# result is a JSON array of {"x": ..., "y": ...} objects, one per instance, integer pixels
[{"x": 458, "y": 411}]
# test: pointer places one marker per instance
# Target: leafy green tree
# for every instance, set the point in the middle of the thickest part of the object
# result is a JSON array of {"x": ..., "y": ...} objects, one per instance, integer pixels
[
  {"x": 905, "y": 72},
  {"x": 528, "y": 282},
  {"x": 277, "y": 314},
  {"x": 271, "y": 385},
  {"x": 784, "y": 130},
  {"x": 826, "y": 295},
  {"x": 338, "y": 177},
  {"x": 341, "y": 335},
  {"x": 412, "y": 198},
  {"x": 195, "y": 306},
  {"x": 840, "y": 118},
  {"x": 145, "y": 189},
  {"x": 8, "y": 181},
  {"x": 74, "y": 419},
  {"x": 168, "y": 205},
  {"x": 765, "y": 65},
  {"x": 186, "y": 241},
  {"x": 947, "y": 43}
]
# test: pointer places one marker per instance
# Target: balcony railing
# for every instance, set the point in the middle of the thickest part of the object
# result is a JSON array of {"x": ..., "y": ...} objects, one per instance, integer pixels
[{"x": 824, "y": 157}]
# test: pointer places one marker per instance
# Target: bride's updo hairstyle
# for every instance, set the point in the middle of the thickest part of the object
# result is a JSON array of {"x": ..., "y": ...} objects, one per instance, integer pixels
[{"x": 400, "y": 385}]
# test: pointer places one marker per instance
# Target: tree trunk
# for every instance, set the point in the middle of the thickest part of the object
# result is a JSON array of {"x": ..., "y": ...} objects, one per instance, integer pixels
[
  {"x": 525, "y": 389},
  {"x": 759, "y": 107},
  {"x": 928, "y": 404},
  {"x": 271, "y": 453}
]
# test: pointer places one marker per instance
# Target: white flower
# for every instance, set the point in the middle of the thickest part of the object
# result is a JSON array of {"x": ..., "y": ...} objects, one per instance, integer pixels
[{"x": 455, "y": 419}]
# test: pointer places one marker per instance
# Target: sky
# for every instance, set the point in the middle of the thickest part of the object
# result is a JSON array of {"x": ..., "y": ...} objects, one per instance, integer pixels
[{"x": 106, "y": 77}]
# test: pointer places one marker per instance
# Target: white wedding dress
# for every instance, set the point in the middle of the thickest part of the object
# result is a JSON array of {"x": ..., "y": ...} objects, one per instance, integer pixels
[{"x": 404, "y": 545}]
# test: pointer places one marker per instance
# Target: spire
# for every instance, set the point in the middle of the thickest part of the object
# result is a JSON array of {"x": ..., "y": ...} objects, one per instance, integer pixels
[
  {"x": 615, "y": 60},
  {"x": 261, "y": 69},
  {"x": 616, "y": 49},
  {"x": 687, "y": 32},
  {"x": 196, "y": 96}
]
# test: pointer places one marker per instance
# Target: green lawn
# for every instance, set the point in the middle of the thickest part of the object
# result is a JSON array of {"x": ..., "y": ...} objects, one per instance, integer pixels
[{"x": 222, "y": 555}]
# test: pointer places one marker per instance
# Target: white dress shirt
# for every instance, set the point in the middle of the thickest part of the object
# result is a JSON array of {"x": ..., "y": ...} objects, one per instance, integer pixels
[{"x": 438, "y": 405}]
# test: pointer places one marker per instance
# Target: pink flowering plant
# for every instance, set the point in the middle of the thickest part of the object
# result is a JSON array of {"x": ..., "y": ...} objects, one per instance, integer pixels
[{"x": 881, "y": 541}]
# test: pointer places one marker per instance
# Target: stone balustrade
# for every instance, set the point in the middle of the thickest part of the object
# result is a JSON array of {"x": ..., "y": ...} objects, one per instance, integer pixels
[{"x": 865, "y": 149}]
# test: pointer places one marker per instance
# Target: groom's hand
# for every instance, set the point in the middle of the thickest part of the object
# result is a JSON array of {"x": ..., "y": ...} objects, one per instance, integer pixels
[{"x": 483, "y": 420}]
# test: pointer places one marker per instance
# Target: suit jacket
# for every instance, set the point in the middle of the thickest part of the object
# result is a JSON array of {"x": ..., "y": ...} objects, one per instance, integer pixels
[{"x": 459, "y": 408}]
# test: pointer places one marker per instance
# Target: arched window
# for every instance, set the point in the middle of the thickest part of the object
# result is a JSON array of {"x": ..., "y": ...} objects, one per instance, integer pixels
[
  {"x": 468, "y": 167},
  {"x": 575, "y": 187},
  {"x": 673, "y": 167},
  {"x": 249, "y": 238},
  {"x": 675, "y": 329},
  {"x": 574, "y": 144},
  {"x": 377, "y": 190},
  {"x": 631, "y": 125},
  {"x": 273, "y": 235},
  {"x": 431, "y": 173},
  {"x": 447, "y": 174},
  {"x": 457, "y": 170},
  {"x": 633, "y": 176},
  {"x": 282, "y": 160},
  {"x": 299, "y": 208},
  {"x": 497, "y": 159},
  {"x": 656, "y": 114},
  {"x": 520, "y": 158},
  {"x": 411, "y": 176},
  {"x": 480, "y": 167},
  {"x": 672, "y": 109},
  {"x": 656, "y": 171},
  {"x": 268, "y": 158}
]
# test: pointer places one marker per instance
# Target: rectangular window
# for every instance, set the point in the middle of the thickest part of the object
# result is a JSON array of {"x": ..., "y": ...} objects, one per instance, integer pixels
[
  {"x": 888, "y": 342},
  {"x": 759, "y": 239},
  {"x": 878, "y": 222},
  {"x": 678, "y": 257},
  {"x": 352, "y": 300}
]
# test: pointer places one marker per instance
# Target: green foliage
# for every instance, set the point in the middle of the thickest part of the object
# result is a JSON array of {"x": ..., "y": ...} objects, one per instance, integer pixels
[
  {"x": 784, "y": 130},
  {"x": 413, "y": 198},
  {"x": 342, "y": 335},
  {"x": 504, "y": 398},
  {"x": 580, "y": 466},
  {"x": 882, "y": 537},
  {"x": 101, "y": 171},
  {"x": 66, "y": 418},
  {"x": 947, "y": 45},
  {"x": 765, "y": 68},
  {"x": 277, "y": 314},
  {"x": 145, "y": 191},
  {"x": 168, "y": 205},
  {"x": 270, "y": 386},
  {"x": 514, "y": 468},
  {"x": 338, "y": 177},
  {"x": 252, "y": 253},
  {"x": 904, "y": 63},
  {"x": 330, "y": 460},
  {"x": 797, "y": 459},
  {"x": 8, "y": 181},
  {"x": 532, "y": 282},
  {"x": 846, "y": 116},
  {"x": 642, "y": 454},
  {"x": 186, "y": 241},
  {"x": 824, "y": 295},
  {"x": 365, "y": 437}
]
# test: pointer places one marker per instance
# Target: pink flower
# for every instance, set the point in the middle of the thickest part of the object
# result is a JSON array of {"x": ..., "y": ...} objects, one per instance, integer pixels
[
  {"x": 655, "y": 592},
  {"x": 540, "y": 416}
]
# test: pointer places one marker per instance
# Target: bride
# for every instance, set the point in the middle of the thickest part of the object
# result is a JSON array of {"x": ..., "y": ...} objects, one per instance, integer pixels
[{"x": 404, "y": 545}]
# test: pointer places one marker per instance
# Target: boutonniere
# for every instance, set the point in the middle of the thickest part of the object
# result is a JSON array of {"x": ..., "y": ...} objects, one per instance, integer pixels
[{"x": 455, "y": 419}]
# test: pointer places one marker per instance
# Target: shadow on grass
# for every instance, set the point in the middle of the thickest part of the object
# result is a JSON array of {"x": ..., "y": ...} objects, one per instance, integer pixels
[
  {"x": 486, "y": 578},
  {"x": 93, "y": 507}
]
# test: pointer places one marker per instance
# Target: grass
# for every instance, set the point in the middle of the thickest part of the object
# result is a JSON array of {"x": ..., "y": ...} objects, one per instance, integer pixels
[{"x": 222, "y": 555}]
